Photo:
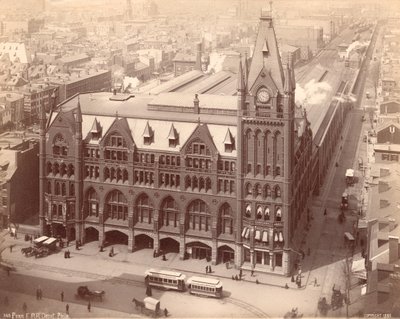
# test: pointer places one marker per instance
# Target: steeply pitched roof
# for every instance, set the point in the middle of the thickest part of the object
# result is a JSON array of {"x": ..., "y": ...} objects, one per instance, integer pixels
[{"x": 266, "y": 55}]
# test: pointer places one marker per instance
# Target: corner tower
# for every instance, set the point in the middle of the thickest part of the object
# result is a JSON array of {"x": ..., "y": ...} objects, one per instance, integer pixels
[{"x": 265, "y": 156}]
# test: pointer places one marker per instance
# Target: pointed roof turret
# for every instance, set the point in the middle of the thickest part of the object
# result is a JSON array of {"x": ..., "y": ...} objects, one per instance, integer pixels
[
  {"x": 78, "y": 112},
  {"x": 266, "y": 54},
  {"x": 246, "y": 67},
  {"x": 96, "y": 128},
  {"x": 241, "y": 77}
]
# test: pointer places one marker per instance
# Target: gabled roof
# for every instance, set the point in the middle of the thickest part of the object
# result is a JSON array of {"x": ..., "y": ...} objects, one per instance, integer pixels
[
  {"x": 96, "y": 128},
  {"x": 266, "y": 55}
]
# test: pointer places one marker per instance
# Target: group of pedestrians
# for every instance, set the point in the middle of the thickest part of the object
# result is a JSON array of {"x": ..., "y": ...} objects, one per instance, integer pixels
[
  {"x": 67, "y": 254},
  {"x": 208, "y": 270}
]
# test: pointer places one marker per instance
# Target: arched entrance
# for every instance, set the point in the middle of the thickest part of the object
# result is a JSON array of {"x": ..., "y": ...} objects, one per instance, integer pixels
[
  {"x": 198, "y": 250},
  {"x": 58, "y": 230},
  {"x": 91, "y": 234},
  {"x": 115, "y": 237},
  {"x": 169, "y": 245},
  {"x": 143, "y": 241},
  {"x": 226, "y": 254}
]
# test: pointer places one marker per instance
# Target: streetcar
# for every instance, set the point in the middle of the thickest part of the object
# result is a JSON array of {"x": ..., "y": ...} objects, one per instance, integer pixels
[
  {"x": 165, "y": 279},
  {"x": 205, "y": 286}
]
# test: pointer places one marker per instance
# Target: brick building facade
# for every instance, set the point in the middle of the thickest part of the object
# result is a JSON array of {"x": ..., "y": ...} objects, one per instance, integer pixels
[{"x": 208, "y": 176}]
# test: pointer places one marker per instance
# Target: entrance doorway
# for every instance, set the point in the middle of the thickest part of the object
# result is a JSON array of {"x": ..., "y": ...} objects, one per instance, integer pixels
[
  {"x": 199, "y": 250},
  {"x": 226, "y": 254},
  {"x": 91, "y": 234},
  {"x": 58, "y": 230},
  {"x": 169, "y": 245},
  {"x": 115, "y": 237},
  {"x": 143, "y": 241}
]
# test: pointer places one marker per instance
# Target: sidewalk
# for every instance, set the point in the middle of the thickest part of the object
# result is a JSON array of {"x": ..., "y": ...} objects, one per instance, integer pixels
[{"x": 125, "y": 263}]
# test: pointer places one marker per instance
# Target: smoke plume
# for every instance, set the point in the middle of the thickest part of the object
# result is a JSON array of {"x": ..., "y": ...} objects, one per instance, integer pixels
[{"x": 313, "y": 93}]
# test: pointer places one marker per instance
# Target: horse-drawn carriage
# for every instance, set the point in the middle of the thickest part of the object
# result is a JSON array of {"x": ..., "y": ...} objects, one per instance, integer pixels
[
  {"x": 84, "y": 292},
  {"x": 149, "y": 306},
  {"x": 41, "y": 252},
  {"x": 28, "y": 251}
]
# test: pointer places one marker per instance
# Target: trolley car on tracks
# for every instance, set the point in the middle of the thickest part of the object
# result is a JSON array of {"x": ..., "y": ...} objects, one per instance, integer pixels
[
  {"x": 165, "y": 279},
  {"x": 202, "y": 286}
]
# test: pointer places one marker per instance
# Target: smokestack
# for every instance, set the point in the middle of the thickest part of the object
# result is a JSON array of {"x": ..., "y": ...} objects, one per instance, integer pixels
[
  {"x": 198, "y": 57},
  {"x": 196, "y": 102}
]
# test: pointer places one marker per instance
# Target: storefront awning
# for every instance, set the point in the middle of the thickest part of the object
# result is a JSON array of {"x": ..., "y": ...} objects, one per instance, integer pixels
[
  {"x": 276, "y": 238},
  {"x": 279, "y": 213},
  {"x": 280, "y": 237},
  {"x": 265, "y": 237},
  {"x": 258, "y": 235}
]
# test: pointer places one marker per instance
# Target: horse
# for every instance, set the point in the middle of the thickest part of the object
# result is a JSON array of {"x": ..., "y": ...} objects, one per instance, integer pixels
[{"x": 138, "y": 304}]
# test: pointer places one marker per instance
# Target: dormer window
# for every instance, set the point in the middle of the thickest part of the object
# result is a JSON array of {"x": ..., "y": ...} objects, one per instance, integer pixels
[
  {"x": 148, "y": 135},
  {"x": 96, "y": 130},
  {"x": 173, "y": 137},
  {"x": 229, "y": 142}
]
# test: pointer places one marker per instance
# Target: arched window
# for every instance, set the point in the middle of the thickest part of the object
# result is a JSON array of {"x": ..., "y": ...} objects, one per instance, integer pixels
[
  {"x": 199, "y": 216},
  {"x": 106, "y": 173},
  {"x": 169, "y": 213},
  {"x": 201, "y": 183},
  {"x": 71, "y": 189},
  {"x": 259, "y": 212},
  {"x": 57, "y": 189},
  {"x": 208, "y": 184},
  {"x": 188, "y": 182},
  {"x": 49, "y": 168},
  {"x": 267, "y": 214},
  {"x": 92, "y": 203},
  {"x": 56, "y": 169},
  {"x": 48, "y": 187},
  {"x": 125, "y": 176},
  {"x": 63, "y": 189},
  {"x": 267, "y": 191},
  {"x": 277, "y": 191},
  {"x": 63, "y": 169},
  {"x": 194, "y": 182},
  {"x": 248, "y": 211},
  {"x": 249, "y": 190},
  {"x": 70, "y": 170},
  {"x": 117, "y": 206},
  {"x": 278, "y": 214},
  {"x": 144, "y": 209},
  {"x": 60, "y": 146},
  {"x": 258, "y": 190},
  {"x": 226, "y": 219}
]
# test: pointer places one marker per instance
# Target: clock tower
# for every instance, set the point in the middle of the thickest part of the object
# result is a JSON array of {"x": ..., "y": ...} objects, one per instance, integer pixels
[{"x": 265, "y": 155}]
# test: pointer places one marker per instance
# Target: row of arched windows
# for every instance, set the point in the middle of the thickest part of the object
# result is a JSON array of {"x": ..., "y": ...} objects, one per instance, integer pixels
[
  {"x": 197, "y": 183},
  {"x": 258, "y": 191},
  {"x": 61, "y": 188},
  {"x": 63, "y": 170},
  {"x": 263, "y": 213},
  {"x": 198, "y": 215},
  {"x": 116, "y": 174}
]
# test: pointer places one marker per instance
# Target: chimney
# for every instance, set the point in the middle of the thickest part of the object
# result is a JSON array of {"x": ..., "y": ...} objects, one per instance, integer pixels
[
  {"x": 393, "y": 249},
  {"x": 198, "y": 57},
  {"x": 196, "y": 102}
]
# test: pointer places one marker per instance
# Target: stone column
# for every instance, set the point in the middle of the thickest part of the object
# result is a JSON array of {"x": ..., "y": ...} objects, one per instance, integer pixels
[
  {"x": 131, "y": 240},
  {"x": 238, "y": 256},
  {"x": 182, "y": 245},
  {"x": 286, "y": 262},
  {"x": 156, "y": 237},
  {"x": 272, "y": 261}
]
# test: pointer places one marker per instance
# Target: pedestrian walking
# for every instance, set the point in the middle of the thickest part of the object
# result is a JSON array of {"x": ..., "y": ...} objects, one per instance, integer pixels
[
  {"x": 240, "y": 273},
  {"x": 67, "y": 309},
  {"x": 154, "y": 253},
  {"x": 315, "y": 281},
  {"x": 206, "y": 269},
  {"x": 112, "y": 252},
  {"x": 24, "y": 307},
  {"x": 209, "y": 269},
  {"x": 286, "y": 286},
  {"x": 89, "y": 306},
  {"x": 62, "y": 296},
  {"x": 148, "y": 291},
  {"x": 236, "y": 277},
  {"x": 163, "y": 257},
  {"x": 165, "y": 312}
]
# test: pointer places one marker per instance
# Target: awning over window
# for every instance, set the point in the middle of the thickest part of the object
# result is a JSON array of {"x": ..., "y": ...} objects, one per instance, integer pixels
[
  {"x": 247, "y": 236},
  {"x": 259, "y": 211},
  {"x": 265, "y": 237},
  {"x": 258, "y": 235},
  {"x": 279, "y": 213},
  {"x": 276, "y": 238},
  {"x": 248, "y": 209},
  {"x": 244, "y": 231},
  {"x": 266, "y": 213},
  {"x": 280, "y": 237}
]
